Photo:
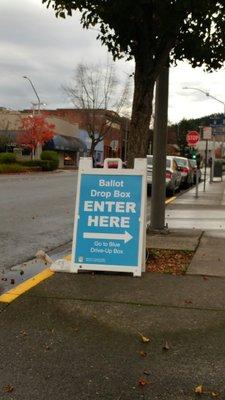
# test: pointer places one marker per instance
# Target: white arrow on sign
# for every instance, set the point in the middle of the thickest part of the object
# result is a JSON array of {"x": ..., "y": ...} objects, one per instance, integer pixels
[{"x": 111, "y": 236}]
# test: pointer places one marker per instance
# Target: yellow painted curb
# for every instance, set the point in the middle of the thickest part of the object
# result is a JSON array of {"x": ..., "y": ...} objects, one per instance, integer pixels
[
  {"x": 170, "y": 200},
  {"x": 12, "y": 294}
]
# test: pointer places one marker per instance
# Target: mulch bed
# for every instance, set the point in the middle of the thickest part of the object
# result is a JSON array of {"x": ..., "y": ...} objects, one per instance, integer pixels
[{"x": 173, "y": 262}]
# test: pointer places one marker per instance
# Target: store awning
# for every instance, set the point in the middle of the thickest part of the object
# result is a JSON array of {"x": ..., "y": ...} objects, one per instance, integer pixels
[
  {"x": 58, "y": 142},
  {"x": 65, "y": 143}
]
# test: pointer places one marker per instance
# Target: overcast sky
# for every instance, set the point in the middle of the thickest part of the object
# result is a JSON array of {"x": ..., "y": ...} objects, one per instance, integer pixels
[{"x": 46, "y": 49}]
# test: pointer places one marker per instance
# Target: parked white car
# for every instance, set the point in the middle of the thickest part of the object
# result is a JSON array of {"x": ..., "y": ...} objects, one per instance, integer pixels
[
  {"x": 187, "y": 173},
  {"x": 172, "y": 178}
]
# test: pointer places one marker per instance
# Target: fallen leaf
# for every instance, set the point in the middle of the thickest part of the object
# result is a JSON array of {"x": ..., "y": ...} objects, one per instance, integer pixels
[
  {"x": 8, "y": 388},
  {"x": 166, "y": 345},
  {"x": 143, "y": 382},
  {"x": 146, "y": 372},
  {"x": 143, "y": 354},
  {"x": 199, "y": 389},
  {"x": 214, "y": 394},
  {"x": 205, "y": 278},
  {"x": 188, "y": 301},
  {"x": 23, "y": 333},
  {"x": 168, "y": 261},
  {"x": 144, "y": 339}
]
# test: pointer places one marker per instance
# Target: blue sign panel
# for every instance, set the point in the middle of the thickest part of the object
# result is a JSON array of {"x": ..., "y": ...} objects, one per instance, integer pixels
[
  {"x": 218, "y": 125},
  {"x": 108, "y": 225},
  {"x": 217, "y": 120}
]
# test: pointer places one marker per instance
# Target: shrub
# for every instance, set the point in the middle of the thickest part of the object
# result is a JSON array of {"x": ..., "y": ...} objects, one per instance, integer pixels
[
  {"x": 45, "y": 165},
  {"x": 7, "y": 158},
  {"x": 49, "y": 155},
  {"x": 49, "y": 165},
  {"x": 31, "y": 163},
  {"x": 12, "y": 168},
  {"x": 50, "y": 160}
]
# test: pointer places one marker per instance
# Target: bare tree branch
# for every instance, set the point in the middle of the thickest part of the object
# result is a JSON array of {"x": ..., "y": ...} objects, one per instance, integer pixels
[{"x": 96, "y": 91}]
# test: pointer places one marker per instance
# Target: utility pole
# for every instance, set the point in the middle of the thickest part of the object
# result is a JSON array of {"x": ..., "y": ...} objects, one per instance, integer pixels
[{"x": 157, "y": 222}]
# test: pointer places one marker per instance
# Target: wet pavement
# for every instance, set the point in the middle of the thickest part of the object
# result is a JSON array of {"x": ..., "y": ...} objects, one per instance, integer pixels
[
  {"x": 207, "y": 212},
  {"x": 207, "y": 215},
  {"x": 209, "y": 259},
  {"x": 192, "y": 223},
  {"x": 37, "y": 212},
  {"x": 79, "y": 336}
]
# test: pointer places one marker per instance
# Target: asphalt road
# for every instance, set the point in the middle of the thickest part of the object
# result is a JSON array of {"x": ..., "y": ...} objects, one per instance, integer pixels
[{"x": 37, "y": 212}]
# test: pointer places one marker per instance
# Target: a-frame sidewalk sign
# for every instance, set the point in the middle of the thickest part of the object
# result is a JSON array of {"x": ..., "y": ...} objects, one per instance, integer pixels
[{"x": 110, "y": 218}]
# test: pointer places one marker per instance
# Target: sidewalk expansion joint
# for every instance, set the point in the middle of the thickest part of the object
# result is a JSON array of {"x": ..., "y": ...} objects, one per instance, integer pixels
[
  {"x": 131, "y": 303},
  {"x": 198, "y": 242}
]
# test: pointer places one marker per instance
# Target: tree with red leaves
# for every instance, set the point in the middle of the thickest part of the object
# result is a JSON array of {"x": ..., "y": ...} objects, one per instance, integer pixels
[{"x": 35, "y": 130}]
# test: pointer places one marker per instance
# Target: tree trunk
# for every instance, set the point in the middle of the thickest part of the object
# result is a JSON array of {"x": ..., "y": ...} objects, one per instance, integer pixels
[
  {"x": 92, "y": 149},
  {"x": 141, "y": 111}
]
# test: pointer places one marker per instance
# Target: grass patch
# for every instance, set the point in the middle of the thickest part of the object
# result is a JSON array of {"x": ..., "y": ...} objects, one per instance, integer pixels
[{"x": 173, "y": 262}]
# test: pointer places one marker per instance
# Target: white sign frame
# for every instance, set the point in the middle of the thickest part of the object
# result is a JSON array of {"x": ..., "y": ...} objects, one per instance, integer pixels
[
  {"x": 140, "y": 169},
  {"x": 207, "y": 133}
]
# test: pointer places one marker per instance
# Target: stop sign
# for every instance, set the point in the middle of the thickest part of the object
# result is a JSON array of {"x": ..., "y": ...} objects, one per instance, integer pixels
[{"x": 192, "y": 138}]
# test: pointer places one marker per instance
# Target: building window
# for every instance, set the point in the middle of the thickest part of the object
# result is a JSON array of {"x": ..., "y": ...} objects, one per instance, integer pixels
[{"x": 69, "y": 158}]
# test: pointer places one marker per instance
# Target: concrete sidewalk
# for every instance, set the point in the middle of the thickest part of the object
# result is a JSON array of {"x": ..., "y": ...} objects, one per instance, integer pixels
[
  {"x": 197, "y": 224},
  {"x": 79, "y": 337}
]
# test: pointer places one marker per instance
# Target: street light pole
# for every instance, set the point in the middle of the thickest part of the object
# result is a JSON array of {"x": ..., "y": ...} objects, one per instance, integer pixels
[
  {"x": 39, "y": 103},
  {"x": 159, "y": 153},
  {"x": 38, "y": 148},
  {"x": 207, "y": 94}
]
